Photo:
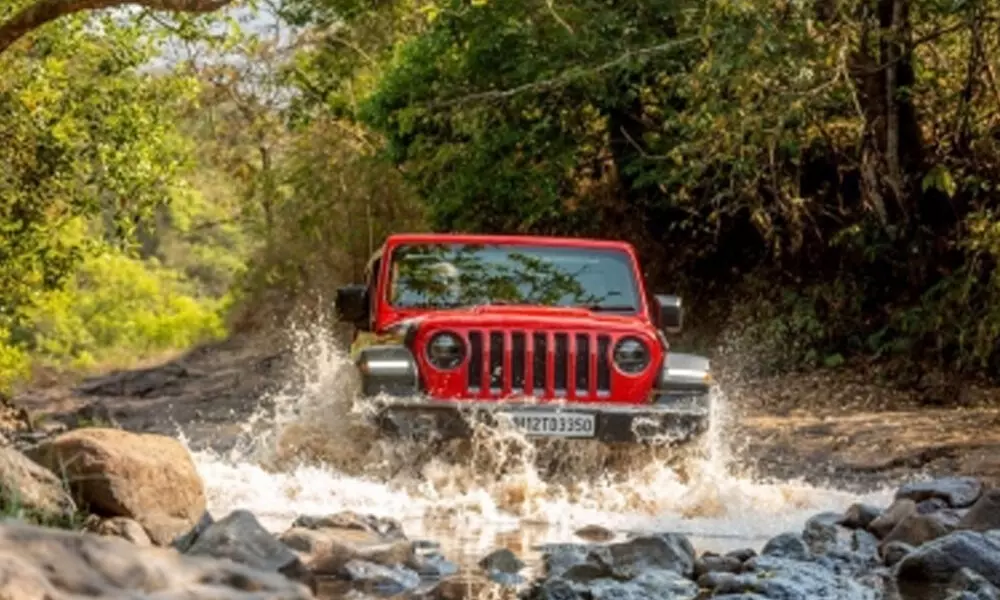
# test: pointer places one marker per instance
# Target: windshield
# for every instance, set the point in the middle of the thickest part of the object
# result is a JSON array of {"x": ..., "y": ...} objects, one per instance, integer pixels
[{"x": 456, "y": 275}]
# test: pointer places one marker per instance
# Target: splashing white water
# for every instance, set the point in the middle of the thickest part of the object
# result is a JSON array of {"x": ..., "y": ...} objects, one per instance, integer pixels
[{"x": 311, "y": 453}]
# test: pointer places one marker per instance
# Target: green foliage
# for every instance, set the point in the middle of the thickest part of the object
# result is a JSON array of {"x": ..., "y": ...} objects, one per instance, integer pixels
[
  {"x": 119, "y": 304},
  {"x": 85, "y": 135},
  {"x": 734, "y": 143},
  {"x": 112, "y": 308}
]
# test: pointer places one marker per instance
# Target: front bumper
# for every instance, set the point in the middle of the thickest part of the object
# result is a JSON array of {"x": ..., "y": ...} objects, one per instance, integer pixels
[{"x": 679, "y": 422}]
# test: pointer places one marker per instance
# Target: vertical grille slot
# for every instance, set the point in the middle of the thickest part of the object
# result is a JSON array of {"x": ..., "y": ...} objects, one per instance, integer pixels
[
  {"x": 475, "y": 376},
  {"x": 562, "y": 362},
  {"x": 517, "y": 360},
  {"x": 603, "y": 365},
  {"x": 582, "y": 365},
  {"x": 496, "y": 361},
  {"x": 539, "y": 368}
]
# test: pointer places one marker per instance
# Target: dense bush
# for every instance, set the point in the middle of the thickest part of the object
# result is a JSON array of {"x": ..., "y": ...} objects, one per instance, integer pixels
[{"x": 113, "y": 308}]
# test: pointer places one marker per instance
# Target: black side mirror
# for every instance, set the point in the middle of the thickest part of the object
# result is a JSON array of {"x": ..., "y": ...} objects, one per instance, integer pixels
[
  {"x": 670, "y": 313},
  {"x": 352, "y": 305}
]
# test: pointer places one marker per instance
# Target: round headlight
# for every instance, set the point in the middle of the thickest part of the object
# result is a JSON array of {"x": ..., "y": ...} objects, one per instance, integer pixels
[
  {"x": 631, "y": 355},
  {"x": 445, "y": 351}
]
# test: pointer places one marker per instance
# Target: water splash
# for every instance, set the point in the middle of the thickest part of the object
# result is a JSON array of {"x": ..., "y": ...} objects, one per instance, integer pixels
[{"x": 308, "y": 450}]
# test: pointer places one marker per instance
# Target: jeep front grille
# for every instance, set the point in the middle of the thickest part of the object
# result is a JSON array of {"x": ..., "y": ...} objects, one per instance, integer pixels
[{"x": 541, "y": 364}]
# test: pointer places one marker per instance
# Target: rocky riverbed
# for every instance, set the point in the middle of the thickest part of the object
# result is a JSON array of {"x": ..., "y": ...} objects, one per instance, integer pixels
[
  {"x": 244, "y": 451},
  {"x": 144, "y": 532}
]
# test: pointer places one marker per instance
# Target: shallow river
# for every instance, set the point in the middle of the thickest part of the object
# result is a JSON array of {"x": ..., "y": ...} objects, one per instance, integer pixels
[{"x": 305, "y": 453}]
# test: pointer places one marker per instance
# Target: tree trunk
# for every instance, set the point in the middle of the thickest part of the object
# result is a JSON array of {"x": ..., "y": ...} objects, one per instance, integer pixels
[{"x": 892, "y": 154}]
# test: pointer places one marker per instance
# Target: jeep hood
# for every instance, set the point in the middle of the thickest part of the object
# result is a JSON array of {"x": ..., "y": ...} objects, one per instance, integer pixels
[{"x": 515, "y": 316}]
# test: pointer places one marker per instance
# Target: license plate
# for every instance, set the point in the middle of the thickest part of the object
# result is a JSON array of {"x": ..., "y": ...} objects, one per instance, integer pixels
[{"x": 554, "y": 424}]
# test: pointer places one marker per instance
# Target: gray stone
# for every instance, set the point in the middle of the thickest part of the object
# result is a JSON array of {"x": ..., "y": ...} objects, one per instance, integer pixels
[
  {"x": 382, "y": 579},
  {"x": 502, "y": 560},
  {"x": 711, "y": 564},
  {"x": 928, "y": 571},
  {"x": 860, "y": 516},
  {"x": 241, "y": 538},
  {"x": 887, "y": 521},
  {"x": 893, "y": 552},
  {"x": 958, "y": 492},
  {"x": 670, "y": 551},
  {"x": 984, "y": 514},
  {"x": 787, "y": 545}
]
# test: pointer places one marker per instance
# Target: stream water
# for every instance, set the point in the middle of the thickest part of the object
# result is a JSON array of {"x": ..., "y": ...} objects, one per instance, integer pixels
[{"x": 306, "y": 451}]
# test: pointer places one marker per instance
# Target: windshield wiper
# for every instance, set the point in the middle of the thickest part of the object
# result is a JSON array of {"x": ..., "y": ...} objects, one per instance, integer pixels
[{"x": 609, "y": 307}]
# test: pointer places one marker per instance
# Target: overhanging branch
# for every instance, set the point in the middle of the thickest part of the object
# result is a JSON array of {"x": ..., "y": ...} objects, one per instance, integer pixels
[{"x": 43, "y": 11}]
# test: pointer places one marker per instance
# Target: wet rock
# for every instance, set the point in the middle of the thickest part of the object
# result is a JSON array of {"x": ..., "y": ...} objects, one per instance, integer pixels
[
  {"x": 589, "y": 571},
  {"x": 655, "y": 584},
  {"x": 714, "y": 564},
  {"x": 241, "y": 538},
  {"x": 926, "y": 573},
  {"x": 26, "y": 485},
  {"x": 893, "y": 552},
  {"x": 559, "y": 558},
  {"x": 595, "y": 533},
  {"x": 430, "y": 564},
  {"x": 622, "y": 560},
  {"x": 466, "y": 586},
  {"x": 670, "y": 551},
  {"x": 742, "y": 554},
  {"x": 120, "y": 527},
  {"x": 502, "y": 566},
  {"x": 788, "y": 579},
  {"x": 720, "y": 582},
  {"x": 899, "y": 510},
  {"x": 931, "y": 505},
  {"x": 37, "y": 563},
  {"x": 182, "y": 542},
  {"x": 380, "y": 579},
  {"x": 384, "y": 527},
  {"x": 787, "y": 545},
  {"x": 860, "y": 516},
  {"x": 969, "y": 585},
  {"x": 917, "y": 529},
  {"x": 502, "y": 560},
  {"x": 823, "y": 533},
  {"x": 984, "y": 514},
  {"x": 325, "y": 551},
  {"x": 146, "y": 477},
  {"x": 958, "y": 492},
  {"x": 555, "y": 589}
]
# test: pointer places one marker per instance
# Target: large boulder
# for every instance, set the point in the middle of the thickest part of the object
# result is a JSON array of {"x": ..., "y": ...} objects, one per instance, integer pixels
[
  {"x": 26, "y": 485},
  {"x": 928, "y": 572},
  {"x": 49, "y": 564},
  {"x": 114, "y": 473}
]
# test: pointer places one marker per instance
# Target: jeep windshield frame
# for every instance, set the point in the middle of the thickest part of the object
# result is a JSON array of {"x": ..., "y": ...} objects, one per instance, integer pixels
[{"x": 444, "y": 274}]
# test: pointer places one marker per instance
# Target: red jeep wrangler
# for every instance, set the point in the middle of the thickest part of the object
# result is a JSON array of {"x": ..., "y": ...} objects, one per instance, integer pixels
[{"x": 557, "y": 335}]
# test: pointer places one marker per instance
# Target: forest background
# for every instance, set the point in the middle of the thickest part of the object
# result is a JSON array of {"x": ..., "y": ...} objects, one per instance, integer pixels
[{"x": 819, "y": 179}]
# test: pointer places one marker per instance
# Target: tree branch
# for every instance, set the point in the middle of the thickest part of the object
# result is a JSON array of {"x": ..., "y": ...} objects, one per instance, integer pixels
[
  {"x": 568, "y": 76},
  {"x": 43, "y": 11}
]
